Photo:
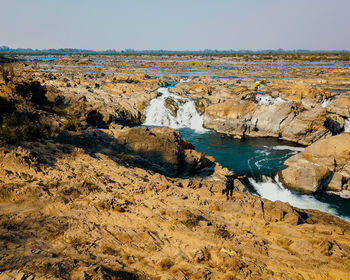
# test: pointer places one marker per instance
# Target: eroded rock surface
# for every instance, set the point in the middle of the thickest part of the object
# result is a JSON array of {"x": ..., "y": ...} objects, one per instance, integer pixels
[
  {"x": 84, "y": 197},
  {"x": 70, "y": 214},
  {"x": 323, "y": 166}
]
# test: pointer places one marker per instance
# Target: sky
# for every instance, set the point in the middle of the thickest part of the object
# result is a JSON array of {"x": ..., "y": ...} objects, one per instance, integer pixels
[{"x": 176, "y": 25}]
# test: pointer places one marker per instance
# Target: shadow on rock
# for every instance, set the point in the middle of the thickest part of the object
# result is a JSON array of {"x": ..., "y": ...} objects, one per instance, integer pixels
[{"x": 160, "y": 149}]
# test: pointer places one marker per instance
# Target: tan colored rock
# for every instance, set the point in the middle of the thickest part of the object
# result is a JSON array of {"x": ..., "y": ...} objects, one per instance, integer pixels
[
  {"x": 306, "y": 91},
  {"x": 305, "y": 177},
  {"x": 337, "y": 182},
  {"x": 231, "y": 110},
  {"x": 171, "y": 105},
  {"x": 201, "y": 89},
  {"x": 333, "y": 152},
  {"x": 341, "y": 105},
  {"x": 268, "y": 119},
  {"x": 239, "y": 90},
  {"x": 307, "y": 127},
  {"x": 247, "y": 118},
  {"x": 85, "y": 213},
  {"x": 334, "y": 123},
  {"x": 296, "y": 91},
  {"x": 312, "y": 170},
  {"x": 239, "y": 186},
  {"x": 124, "y": 89},
  {"x": 201, "y": 104},
  {"x": 229, "y": 117}
]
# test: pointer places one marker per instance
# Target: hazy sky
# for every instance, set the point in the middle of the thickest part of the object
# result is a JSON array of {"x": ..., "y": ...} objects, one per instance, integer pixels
[{"x": 176, "y": 25}]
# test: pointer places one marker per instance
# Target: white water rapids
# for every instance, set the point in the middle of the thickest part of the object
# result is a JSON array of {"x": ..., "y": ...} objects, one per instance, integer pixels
[
  {"x": 274, "y": 190},
  {"x": 157, "y": 114},
  {"x": 347, "y": 125}
]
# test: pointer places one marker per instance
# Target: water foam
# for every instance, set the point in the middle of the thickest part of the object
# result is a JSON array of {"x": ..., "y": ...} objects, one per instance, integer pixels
[
  {"x": 274, "y": 190},
  {"x": 294, "y": 149},
  {"x": 266, "y": 99},
  {"x": 157, "y": 114},
  {"x": 347, "y": 125},
  {"x": 183, "y": 80},
  {"x": 327, "y": 102}
]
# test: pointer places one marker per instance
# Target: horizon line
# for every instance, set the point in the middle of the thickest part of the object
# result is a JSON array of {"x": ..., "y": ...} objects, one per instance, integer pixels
[{"x": 130, "y": 50}]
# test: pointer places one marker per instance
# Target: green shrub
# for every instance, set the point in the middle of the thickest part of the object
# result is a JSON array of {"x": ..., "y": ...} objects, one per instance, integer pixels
[
  {"x": 191, "y": 219},
  {"x": 12, "y": 121},
  {"x": 70, "y": 125},
  {"x": 223, "y": 233},
  {"x": 346, "y": 57},
  {"x": 36, "y": 132},
  {"x": 58, "y": 111},
  {"x": 125, "y": 158},
  {"x": 9, "y": 135},
  {"x": 34, "y": 91},
  {"x": 13, "y": 134},
  {"x": 7, "y": 73},
  {"x": 141, "y": 107}
]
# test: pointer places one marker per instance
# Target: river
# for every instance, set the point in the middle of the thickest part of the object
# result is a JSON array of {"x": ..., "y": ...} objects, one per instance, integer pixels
[{"x": 258, "y": 158}]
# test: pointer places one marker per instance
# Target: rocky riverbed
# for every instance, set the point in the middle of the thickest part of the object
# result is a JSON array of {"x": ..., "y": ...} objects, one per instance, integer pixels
[{"x": 85, "y": 193}]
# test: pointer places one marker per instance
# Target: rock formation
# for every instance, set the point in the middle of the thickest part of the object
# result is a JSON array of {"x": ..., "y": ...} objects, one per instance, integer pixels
[
  {"x": 83, "y": 196},
  {"x": 323, "y": 166}
]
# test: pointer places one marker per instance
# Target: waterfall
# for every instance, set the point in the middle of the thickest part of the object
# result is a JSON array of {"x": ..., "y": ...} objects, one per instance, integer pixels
[
  {"x": 186, "y": 116},
  {"x": 184, "y": 80},
  {"x": 347, "y": 125},
  {"x": 327, "y": 102},
  {"x": 273, "y": 190},
  {"x": 266, "y": 99}
]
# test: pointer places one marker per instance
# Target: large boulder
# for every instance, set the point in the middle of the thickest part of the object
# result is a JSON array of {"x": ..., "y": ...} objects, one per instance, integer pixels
[
  {"x": 304, "y": 176},
  {"x": 268, "y": 119},
  {"x": 297, "y": 91},
  {"x": 229, "y": 117},
  {"x": 122, "y": 89},
  {"x": 325, "y": 165},
  {"x": 159, "y": 149},
  {"x": 246, "y": 118},
  {"x": 341, "y": 105},
  {"x": 307, "y": 127},
  {"x": 301, "y": 90},
  {"x": 232, "y": 110},
  {"x": 172, "y": 105},
  {"x": 200, "y": 89}
]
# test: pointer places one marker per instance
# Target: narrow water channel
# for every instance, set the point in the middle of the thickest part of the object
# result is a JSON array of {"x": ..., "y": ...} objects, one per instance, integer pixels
[{"x": 258, "y": 158}]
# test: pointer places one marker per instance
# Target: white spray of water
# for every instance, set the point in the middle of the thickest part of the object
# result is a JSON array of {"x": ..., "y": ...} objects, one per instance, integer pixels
[
  {"x": 183, "y": 80},
  {"x": 347, "y": 125},
  {"x": 157, "y": 114},
  {"x": 327, "y": 102},
  {"x": 266, "y": 99},
  {"x": 274, "y": 190},
  {"x": 294, "y": 149}
]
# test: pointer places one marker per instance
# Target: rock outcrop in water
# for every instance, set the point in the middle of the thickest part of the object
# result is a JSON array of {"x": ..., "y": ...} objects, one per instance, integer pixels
[
  {"x": 159, "y": 149},
  {"x": 247, "y": 118},
  {"x": 323, "y": 166},
  {"x": 294, "y": 111}
]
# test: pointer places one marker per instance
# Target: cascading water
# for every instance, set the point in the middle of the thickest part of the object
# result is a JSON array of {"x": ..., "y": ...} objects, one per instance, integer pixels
[
  {"x": 327, "y": 102},
  {"x": 157, "y": 113},
  {"x": 266, "y": 99},
  {"x": 347, "y": 125},
  {"x": 251, "y": 156},
  {"x": 274, "y": 190}
]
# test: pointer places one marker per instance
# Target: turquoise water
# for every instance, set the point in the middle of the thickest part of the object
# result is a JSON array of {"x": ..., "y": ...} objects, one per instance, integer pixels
[
  {"x": 255, "y": 157},
  {"x": 252, "y": 157},
  {"x": 258, "y": 158}
]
